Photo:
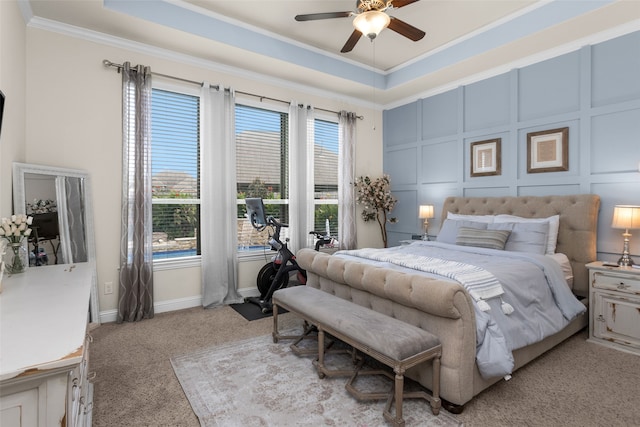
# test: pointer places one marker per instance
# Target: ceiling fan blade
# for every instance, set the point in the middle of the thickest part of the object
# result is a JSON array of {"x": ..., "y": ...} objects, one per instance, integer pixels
[
  {"x": 351, "y": 43},
  {"x": 397, "y": 4},
  {"x": 327, "y": 15},
  {"x": 409, "y": 31}
]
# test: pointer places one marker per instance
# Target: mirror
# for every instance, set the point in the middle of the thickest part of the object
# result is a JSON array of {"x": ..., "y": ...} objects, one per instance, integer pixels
[{"x": 59, "y": 200}]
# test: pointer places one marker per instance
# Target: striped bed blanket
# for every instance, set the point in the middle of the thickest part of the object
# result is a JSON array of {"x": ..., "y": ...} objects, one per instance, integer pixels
[{"x": 480, "y": 283}]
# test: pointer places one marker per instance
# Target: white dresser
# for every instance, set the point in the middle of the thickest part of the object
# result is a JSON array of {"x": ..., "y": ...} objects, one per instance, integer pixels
[
  {"x": 44, "y": 347},
  {"x": 614, "y": 306}
]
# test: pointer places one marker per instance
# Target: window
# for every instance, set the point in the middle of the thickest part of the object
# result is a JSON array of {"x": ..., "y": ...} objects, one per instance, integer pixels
[
  {"x": 175, "y": 149},
  {"x": 262, "y": 150},
  {"x": 262, "y": 170},
  {"x": 325, "y": 176}
]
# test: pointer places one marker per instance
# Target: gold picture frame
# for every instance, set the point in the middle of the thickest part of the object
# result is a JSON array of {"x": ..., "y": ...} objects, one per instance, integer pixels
[
  {"x": 486, "y": 157},
  {"x": 548, "y": 150}
]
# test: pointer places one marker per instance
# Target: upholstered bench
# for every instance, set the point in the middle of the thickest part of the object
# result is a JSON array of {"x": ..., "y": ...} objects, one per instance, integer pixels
[{"x": 390, "y": 341}]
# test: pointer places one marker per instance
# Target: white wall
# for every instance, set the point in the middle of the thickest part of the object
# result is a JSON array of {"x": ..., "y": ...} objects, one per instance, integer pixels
[
  {"x": 12, "y": 84},
  {"x": 73, "y": 120}
]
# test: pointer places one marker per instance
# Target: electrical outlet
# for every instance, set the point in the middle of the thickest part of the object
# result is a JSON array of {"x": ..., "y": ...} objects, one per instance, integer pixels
[{"x": 108, "y": 288}]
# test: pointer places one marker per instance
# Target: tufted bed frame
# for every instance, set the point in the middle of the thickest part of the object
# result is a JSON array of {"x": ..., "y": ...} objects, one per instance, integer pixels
[{"x": 444, "y": 308}]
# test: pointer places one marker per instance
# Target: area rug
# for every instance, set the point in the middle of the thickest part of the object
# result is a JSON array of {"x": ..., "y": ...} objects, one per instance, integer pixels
[{"x": 258, "y": 383}]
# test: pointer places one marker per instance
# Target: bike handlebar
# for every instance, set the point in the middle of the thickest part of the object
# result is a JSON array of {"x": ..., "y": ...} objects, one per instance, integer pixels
[
  {"x": 273, "y": 221},
  {"x": 318, "y": 234}
]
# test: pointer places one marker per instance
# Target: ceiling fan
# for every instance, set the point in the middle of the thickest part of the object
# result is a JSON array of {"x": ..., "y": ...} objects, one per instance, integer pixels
[{"x": 370, "y": 19}]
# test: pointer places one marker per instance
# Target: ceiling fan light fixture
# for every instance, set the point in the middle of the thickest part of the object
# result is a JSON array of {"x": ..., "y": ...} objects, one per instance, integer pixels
[{"x": 371, "y": 22}]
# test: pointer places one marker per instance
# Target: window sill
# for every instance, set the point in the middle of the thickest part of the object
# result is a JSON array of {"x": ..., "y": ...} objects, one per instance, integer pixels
[
  {"x": 258, "y": 255},
  {"x": 172, "y": 264},
  {"x": 244, "y": 256}
]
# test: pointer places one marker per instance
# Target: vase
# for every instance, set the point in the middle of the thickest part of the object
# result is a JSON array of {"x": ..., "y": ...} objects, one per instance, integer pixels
[{"x": 16, "y": 258}]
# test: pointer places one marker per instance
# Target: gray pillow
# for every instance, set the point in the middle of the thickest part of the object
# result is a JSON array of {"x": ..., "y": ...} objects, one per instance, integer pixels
[
  {"x": 449, "y": 230},
  {"x": 492, "y": 239},
  {"x": 528, "y": 237}
]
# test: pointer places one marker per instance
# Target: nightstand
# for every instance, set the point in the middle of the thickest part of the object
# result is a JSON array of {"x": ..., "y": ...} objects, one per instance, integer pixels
[{"x": 614, "y": 306}]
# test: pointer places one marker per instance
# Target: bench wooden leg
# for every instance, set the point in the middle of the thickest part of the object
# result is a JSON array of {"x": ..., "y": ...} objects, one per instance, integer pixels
[
  {"x": 397, "y": 394},
  {"x": 399, "y": 421},
  {"x": 436, "y": 403},
  {"x": 320, "y": 366},
  {"x": 275, "y": 334}
]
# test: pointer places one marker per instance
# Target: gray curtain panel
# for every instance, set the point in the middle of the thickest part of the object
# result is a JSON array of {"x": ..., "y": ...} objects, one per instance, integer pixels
[{"x": 136, "y": 255}]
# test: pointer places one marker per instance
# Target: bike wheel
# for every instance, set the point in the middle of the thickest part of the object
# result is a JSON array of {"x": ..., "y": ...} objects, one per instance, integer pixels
[{"x": 265, "y": 278}]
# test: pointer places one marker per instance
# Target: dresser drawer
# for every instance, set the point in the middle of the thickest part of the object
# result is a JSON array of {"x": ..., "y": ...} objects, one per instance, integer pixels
[{"x": 616, "y": 282}]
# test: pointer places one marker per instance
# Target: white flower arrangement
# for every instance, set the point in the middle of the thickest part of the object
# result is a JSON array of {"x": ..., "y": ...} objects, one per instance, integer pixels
[{"x": 16, "y": 228}]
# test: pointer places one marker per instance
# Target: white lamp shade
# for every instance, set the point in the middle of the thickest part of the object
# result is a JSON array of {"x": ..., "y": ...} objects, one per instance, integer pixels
[
  {"x": 370, "y": 23},
  {"x": 426, "y": 211},
  {"x": 626, "y": 217}
]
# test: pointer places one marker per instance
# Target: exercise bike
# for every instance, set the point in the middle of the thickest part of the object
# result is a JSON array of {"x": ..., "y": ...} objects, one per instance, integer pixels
[
  {"x": 322, "y": 240},
  {"x": 275, "y": 274}
]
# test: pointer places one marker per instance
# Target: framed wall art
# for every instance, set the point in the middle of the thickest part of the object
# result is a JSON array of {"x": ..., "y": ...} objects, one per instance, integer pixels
[
  {"x": 486, "y": 158},
  {"x": 548, "y": 150}
]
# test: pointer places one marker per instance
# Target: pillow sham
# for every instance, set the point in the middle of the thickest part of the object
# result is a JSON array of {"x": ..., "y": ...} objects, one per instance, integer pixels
[
  {"x": 565, "y": 264},
  {"x": 491, "y": 239},
  {"x": 554, "y": 225},
  {"x": 528, "y": 237},
  {"x": 449, "y": 230},
  {"x": 477, "y": 218}
]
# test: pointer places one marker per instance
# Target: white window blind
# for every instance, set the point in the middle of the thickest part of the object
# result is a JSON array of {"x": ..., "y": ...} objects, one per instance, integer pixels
[
  {"x": 262, "y": 169},
  {"x": 326, "y": 177},
  {"x": 175, "y": 149}
]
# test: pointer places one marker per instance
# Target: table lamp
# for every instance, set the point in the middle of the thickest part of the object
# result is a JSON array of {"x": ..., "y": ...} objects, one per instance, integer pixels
[
  {"x": 626, "y": 217},
  {"x": 425, "y": 212}
]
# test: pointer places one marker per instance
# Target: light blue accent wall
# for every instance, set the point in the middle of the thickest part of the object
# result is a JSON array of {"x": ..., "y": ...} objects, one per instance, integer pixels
[
  {"x": 487, "y": 103},
  {"x": 404, "y": 172},
  {"x": 436, "y": 160},
  {"x": 406, "y": 120},
  {"x": 594, "y": 92},
  {"x": 611, "y": 135},
  {"x": 615, "y": 75},
  {"x": 439, "y": 115},
  {"x": 550, "y": 87}
]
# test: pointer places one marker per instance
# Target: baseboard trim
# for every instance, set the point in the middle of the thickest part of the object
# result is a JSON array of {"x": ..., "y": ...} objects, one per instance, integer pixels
[{"x": 173, "y": 305}]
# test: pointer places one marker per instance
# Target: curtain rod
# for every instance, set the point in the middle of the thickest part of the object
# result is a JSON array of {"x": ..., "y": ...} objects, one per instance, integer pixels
[{"x": 119, "y": 67}]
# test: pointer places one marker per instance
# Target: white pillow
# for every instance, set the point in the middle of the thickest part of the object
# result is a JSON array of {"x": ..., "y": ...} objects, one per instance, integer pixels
[
  {"x": 564, "y": 262},
  {"x": 525, "y": 236},
  {"x": 476, "y": 218},
  {"x": 554, "y": 225}
]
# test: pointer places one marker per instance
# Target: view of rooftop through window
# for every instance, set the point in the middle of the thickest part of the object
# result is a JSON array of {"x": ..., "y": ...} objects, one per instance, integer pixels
[
  {"x": 262, "y": 171},
  {"x": 326, "y": 177},
  {"x": 175, "y": 147}
]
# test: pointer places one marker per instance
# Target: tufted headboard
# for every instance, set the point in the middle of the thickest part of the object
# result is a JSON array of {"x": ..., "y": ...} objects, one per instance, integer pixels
[{"x": 578, "y": 223}]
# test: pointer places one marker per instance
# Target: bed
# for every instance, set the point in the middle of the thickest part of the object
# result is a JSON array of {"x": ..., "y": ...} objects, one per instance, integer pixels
[{"x": 445, "y": 306}]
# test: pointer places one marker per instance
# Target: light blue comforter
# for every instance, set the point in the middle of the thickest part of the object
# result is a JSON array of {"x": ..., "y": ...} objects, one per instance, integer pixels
[{"x": 533, "y": 284}]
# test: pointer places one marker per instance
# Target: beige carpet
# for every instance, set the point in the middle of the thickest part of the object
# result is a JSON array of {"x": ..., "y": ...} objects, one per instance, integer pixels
[
  {"x": 576, "y": 384},
  {"x": 258, "y": 383}
]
